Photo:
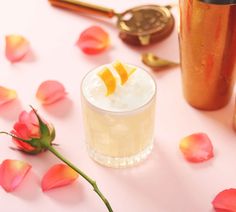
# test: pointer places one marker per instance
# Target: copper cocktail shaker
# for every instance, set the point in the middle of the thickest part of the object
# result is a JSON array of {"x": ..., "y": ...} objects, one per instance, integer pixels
[{"x": 208, "y": 52}]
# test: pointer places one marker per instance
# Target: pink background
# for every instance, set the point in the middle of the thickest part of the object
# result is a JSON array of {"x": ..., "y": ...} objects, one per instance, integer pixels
[{"x": 165, "y": 182}]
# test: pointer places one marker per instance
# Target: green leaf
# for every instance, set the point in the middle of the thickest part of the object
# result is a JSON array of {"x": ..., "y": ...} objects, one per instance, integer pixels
[
  {"x": 13, "y": 136},
  {"x": 44, "y": 130}
]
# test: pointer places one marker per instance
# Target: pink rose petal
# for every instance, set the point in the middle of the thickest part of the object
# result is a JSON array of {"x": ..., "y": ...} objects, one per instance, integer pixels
[
  {"x": 7, "y": 95},
  {"x": 27, "y": 128},
  {"x": 225, "y": 201},
  {"x": 197, "y": 147},
  {"x": 93, "y": 40},
  {"x": 57, "y": 176},
  {"x": 16, "y": 47},
  {"x": 12, "y": 172},
  {"x": 50, "y": 91},
  {"x": 31, "y": 122},
  {"x": 20, "y": 144}
]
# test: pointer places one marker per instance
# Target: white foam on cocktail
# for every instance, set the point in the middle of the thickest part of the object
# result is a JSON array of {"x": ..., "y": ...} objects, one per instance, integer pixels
[{"x": 136, "y": 92}]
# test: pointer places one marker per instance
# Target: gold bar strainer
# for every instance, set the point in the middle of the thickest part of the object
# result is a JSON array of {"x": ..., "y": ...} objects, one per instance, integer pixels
[{"x": 142, "y": 25}]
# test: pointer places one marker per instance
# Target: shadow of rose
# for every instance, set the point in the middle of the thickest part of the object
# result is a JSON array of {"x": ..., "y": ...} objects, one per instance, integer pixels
[
  {"x": 11, "y": 110},
  {"x": 69, "y": 195},
  {"x": 28, "y": 190},
  {"x": 61, "y": 108}
]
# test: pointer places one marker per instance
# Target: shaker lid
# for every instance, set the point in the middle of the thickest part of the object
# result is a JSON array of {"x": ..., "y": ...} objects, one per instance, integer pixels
[{"x": 219, "y": 1}]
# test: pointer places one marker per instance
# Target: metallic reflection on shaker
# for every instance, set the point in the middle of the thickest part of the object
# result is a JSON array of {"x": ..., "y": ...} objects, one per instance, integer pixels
[{"x": 208, "y": 53}]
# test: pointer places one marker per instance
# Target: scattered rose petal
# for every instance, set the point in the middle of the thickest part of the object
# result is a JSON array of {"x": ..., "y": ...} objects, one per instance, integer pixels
[
  {"x": 57, "y": 176},
  {"x": 16, "y": 47},
  {"x": 225, "y": 201},
  {"x": 93, "y": 40},
  {"x": 50, "y": 91},
  {"x": 7, "y": 95},
  {"x": 12, "y": 172},
  {"x": 197, "y": 147}
]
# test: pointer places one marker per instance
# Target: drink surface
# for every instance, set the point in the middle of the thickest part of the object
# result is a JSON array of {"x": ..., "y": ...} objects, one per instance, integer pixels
[{"x": 135, "y": 93}]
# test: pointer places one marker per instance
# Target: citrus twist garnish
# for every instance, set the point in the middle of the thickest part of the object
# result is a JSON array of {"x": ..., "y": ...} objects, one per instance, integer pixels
[
  {"x": 132, "y": 71},
  {"x": 122, "y": 71},
  {"x": 108, "y": 79}
]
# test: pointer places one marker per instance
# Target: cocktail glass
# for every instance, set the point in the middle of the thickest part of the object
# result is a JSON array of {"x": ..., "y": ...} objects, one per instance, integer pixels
[{"x": 119, "y": 138}]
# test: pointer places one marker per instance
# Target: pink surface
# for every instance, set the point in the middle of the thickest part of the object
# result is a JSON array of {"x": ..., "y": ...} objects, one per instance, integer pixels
[{"x": 165, "y": 182}]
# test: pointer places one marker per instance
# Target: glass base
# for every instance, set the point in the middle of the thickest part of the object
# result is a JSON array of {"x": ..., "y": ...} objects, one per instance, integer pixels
[{"x": 117, "y": 162}]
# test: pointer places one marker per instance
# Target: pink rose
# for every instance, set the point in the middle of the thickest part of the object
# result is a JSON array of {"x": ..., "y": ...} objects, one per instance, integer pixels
[{"x": 28, "y": 128}]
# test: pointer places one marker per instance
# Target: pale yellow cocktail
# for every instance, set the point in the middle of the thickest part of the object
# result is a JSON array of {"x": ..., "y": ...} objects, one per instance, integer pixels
[{"x": 119, "y": 128}]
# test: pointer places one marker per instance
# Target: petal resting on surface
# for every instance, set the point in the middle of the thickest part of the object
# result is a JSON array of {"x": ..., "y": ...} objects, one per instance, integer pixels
[
  {"x": 225, "y": 201},
  {"x": 12, "y": 172},
  {"x": 197, "y": 147},
  {"x": 93, "y": 40},
  {"x": 16, "y": 47},
  {"x": 57, "y": 176},
  {"x": 50, "y": 91},
  {"x": 7, "y": 95}
]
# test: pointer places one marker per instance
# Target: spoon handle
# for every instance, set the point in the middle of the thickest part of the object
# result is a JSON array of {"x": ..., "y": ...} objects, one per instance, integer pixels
[{"x": 79, "y": 6}]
